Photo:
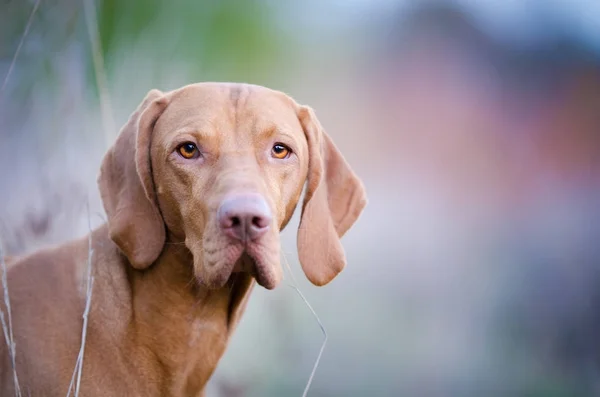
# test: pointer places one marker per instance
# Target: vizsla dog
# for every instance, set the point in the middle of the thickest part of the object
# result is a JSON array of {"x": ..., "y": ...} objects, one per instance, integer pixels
[{"x": 196, "y": 188}]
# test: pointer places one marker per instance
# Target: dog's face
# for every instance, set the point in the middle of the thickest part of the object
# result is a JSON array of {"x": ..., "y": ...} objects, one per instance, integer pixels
[
  {"x": 228, "y": 175},
  {"x": 221, "y": 167}
]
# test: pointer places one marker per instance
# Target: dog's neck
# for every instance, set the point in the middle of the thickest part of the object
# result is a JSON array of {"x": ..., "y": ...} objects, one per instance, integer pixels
[{"x": 182, "y": 324}]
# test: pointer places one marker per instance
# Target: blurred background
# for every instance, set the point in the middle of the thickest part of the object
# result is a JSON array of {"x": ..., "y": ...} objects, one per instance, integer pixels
[{"x": 475, "y": 125}]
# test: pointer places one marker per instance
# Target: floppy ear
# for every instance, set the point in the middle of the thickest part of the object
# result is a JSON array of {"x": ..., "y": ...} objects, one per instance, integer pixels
[
  {"x": 333, "y": 201},
  {"x": 127, "y": 189}
]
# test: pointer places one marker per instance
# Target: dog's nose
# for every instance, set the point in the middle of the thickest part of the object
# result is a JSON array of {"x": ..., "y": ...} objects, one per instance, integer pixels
[{"x": 244, "y": 217}]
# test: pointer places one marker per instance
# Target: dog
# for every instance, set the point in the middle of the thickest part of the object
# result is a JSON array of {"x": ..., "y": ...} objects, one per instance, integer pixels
[{"x": 196, "y": 188}]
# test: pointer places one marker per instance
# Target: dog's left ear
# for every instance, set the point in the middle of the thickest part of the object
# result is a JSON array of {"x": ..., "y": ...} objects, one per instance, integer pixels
[
  {"x": 333, "y": 201},
  {"x": 127, "y": 189}
]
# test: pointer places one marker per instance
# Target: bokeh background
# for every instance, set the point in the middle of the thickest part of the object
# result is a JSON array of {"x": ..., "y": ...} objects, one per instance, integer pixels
[{"x": 475, "y": 125}]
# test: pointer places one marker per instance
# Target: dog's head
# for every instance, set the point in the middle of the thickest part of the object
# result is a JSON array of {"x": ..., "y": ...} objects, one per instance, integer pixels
[{"x": 221, "y": 167}]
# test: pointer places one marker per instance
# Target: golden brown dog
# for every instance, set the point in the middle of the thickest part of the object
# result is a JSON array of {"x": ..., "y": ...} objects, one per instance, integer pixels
[{"x": 196, "y": 188}]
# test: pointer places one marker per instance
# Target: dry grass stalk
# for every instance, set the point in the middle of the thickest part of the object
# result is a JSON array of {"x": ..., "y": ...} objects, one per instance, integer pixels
[
  {"x": 14, "y": 60},
  {"x": 109, "y": 126},
  {"x": 294, "y": 285},
  {"x": 98, "y": 61},
  {"x": 7, "y": 325},
  {"x": 78, "y": 370}
]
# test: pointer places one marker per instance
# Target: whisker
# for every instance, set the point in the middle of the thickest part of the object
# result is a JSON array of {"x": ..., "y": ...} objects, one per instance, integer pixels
[
  {"x": 175, "y": 243},
  {"x": 191, "y": 282}
]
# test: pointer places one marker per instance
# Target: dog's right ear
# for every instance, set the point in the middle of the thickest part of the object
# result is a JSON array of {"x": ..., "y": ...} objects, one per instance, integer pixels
[{"x": 127, "y": 188}]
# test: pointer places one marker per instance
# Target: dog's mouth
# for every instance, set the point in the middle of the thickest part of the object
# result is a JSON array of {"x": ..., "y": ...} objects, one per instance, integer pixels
[
  {"x": 218, "y": 263},
  {"x": 251, "y": 263}
]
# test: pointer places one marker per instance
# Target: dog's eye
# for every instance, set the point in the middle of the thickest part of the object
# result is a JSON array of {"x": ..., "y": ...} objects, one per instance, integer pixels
[
  {"x": 188, "y": 151},
  {"x": 280, "y": 151}
]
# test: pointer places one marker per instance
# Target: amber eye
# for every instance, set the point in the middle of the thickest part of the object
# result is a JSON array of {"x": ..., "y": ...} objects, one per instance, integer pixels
[
  {"x": 280, "y": 151},
  {"x": 188, "y": 151}
]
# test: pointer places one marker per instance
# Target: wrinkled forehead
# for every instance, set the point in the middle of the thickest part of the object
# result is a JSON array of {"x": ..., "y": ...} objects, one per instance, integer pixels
[{"x": 223, "y": 109}]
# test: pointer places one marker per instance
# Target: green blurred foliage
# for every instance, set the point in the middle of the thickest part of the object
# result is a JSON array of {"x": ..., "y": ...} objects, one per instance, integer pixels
[{"x": 227, "y": 39}]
